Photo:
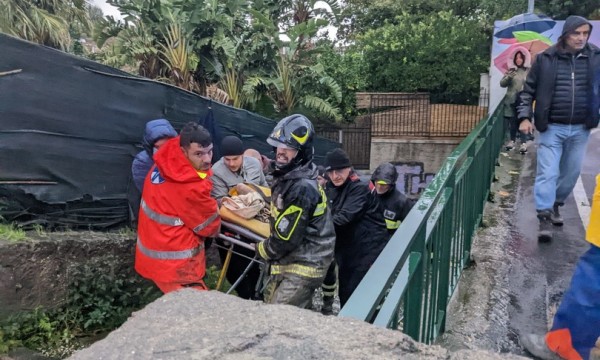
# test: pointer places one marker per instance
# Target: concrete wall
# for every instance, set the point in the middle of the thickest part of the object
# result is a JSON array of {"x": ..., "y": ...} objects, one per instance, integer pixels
[
  {"x": 417, "y": 161},
  {"x": 432, "y": 153}
]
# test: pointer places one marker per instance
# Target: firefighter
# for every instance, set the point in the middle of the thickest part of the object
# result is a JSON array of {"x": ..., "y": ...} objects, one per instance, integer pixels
[
  {"x": 359, "y": 224},
  {"x": 395, "y": 204},
  {"x": 300, "y": 247},
  {"x": 177, "y": 212}
]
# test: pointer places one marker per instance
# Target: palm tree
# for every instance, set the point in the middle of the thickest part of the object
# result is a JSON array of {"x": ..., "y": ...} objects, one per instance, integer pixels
[{"x": 46, "y": 22}]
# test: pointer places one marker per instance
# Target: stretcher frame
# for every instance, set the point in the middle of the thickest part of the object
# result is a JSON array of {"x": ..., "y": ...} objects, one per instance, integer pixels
[{"x": 246, "y": 234}]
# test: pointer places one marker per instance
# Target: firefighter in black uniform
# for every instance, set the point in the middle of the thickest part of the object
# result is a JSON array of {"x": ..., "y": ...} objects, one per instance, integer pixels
[
  {"x": 300, "y": 247},
  {"x": 395, "y": 204},
  {"x": 360, "y": 228}
]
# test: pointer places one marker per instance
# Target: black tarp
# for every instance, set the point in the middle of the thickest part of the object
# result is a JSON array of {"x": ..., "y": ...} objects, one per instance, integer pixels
[{"x": 70, "y": 127}]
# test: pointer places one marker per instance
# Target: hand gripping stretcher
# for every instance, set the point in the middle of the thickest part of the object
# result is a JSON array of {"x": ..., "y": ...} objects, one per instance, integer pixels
[{"x": 245, "y": 233}]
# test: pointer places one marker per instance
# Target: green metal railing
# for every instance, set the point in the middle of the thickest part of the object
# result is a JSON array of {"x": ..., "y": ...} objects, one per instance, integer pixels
[{"x": 410, "y": 284}]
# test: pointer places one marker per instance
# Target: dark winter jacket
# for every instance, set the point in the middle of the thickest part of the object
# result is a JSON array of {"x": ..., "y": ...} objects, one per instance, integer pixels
[
  {"x": 302, "y": 237},
  {"x": 358, "y": 217},
  {"x": 563, "y": 86},
  {"x": 155, "y": 130},
  {"x": 395, "y": 208}
]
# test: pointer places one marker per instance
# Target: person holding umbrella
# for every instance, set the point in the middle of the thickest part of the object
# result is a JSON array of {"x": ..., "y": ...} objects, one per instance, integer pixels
[{"x": 518, "y": 67}]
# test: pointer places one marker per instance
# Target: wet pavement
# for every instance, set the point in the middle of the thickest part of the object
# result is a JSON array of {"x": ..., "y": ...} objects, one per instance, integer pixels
[{"x": 517, "y": 283}]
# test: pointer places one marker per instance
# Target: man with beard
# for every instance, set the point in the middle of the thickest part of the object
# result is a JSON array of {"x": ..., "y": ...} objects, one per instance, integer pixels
[
  {"x": 177, "y": 213},
  {"x": 300, "y": 247}
]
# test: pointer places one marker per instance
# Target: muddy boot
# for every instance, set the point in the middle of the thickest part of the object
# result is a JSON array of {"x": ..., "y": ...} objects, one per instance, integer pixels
[
  {"x": 545, "y": 231},
  {"x": 327, "y": 308},
  {"x": 556, "y": 218},
  {"x": 523, "y": 148},
  {"x": 536, "y": 346},
  {"x": 509, "y": 145},
  {"x": 595, "y": 352}
]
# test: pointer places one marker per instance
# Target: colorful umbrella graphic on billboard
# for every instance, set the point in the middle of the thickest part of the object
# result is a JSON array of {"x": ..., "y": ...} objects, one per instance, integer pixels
[
  {"x": 523, "y": 40},
  {"x": 525, "y": 22}
]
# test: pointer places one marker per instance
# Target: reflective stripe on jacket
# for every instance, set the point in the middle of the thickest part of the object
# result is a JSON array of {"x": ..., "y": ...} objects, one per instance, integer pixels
[
  {"x": 176, "y": 214},
  {"x": 302, "y": 237}
]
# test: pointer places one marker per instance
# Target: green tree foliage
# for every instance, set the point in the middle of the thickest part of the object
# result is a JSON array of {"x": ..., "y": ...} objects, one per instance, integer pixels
[
  {"x": 440, "y": 53},
  {"x": 349, "y": 70},
  {"x": 46, "y": 22},
  {"x": 559, "y": 9}
]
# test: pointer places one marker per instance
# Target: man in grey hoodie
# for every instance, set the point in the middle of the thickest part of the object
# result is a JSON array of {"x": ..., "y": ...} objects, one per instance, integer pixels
[{"x": 563, "y": 83}]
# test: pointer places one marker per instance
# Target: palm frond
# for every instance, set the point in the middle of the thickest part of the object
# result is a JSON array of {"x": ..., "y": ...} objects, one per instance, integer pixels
[{"x": 319, "y": 105}]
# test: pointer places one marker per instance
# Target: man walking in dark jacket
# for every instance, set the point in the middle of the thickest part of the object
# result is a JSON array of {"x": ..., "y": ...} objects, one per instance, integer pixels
[{"x": 563, "y": 82}]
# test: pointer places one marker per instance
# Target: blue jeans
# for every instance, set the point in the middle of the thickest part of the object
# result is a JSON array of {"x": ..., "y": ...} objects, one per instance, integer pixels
[{"x": 559, "y": 157}]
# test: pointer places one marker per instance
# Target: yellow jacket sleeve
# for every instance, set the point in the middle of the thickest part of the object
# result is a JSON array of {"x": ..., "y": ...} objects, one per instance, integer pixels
[{"x": 593, "y": 231}]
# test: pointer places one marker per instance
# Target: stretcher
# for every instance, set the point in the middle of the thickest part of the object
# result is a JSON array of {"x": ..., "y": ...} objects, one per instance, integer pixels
[{"x": 245, "y": 233}]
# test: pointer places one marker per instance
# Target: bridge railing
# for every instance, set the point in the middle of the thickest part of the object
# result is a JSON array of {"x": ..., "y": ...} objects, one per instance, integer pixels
[{"x": 410, "y": 284}]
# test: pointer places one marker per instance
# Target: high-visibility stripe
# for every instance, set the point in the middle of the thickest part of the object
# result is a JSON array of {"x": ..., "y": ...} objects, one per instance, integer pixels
[
  {"x": 328, "y": 290},
  {"x": 322, "y": 206},
  {"x": 212, "y": 218},
  {"x": 261, "y": 251},
  {"x": 169, "y": 255},
  {"x": 297, "y": 269},
  {"x": 392, "y": 225},
  {"x": 160, "y": 218}
]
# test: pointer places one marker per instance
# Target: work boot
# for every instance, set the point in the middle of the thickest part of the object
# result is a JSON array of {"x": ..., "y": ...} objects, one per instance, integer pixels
[
  {"x": 536, "y": 346},
  {"x": 523, "y": 148},
  {"x": 556, "y": 218},
  {"x": 545, "y": 231},
  {"x": 510, "y": 145},
  {"x": 327, "y": 308},
  {"x": 595, "y": 352}
]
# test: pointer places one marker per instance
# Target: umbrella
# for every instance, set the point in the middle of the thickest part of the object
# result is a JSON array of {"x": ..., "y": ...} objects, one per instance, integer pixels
[
  {"x": 525, "y": 22},
  {"x": 533, "y": 46}
]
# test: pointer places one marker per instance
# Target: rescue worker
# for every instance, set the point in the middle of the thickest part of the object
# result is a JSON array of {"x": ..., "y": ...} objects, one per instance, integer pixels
[
  {"x": 360, "y": 228},
  {"x": 329, "y": 286},
  {"x": 177, "y": 213},
  {"x": 300, "y": 247},
  {"x": 157, "y": 133},
  {"x": 395, "y": 204}
]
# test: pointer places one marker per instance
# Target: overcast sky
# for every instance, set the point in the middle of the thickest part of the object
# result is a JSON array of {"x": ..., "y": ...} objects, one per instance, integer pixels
[{"x": 107, "y": 9}]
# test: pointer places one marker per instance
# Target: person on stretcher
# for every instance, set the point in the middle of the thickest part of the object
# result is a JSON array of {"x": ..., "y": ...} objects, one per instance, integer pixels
[{"x": 232, "y": 169}]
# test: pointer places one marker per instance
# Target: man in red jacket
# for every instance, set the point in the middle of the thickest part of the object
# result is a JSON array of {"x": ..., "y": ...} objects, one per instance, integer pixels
[{"x": 177, "y": 212}]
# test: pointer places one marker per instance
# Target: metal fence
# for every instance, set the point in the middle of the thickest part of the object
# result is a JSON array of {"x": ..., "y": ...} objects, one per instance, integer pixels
[
  {"x": 414, "y": 115},
  {"x": 410, "y": 284},
  {"x": 355, "y": 139}
]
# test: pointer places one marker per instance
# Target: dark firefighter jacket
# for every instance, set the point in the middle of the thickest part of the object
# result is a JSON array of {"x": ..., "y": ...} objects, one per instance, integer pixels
[
  {"x": 395, "y": 208},
  {"x": 176, "y": 214},
  {"x": 302, "y": 237},
  {"x": 358, "y": 217}
]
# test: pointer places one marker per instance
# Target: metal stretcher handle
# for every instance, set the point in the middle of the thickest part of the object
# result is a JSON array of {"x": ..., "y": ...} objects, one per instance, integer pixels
[
  {"x": 236, "y": 242},
  {"x": 242, "y": 231}
]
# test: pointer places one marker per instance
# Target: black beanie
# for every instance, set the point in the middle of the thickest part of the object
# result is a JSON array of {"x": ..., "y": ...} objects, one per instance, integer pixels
[
  {"x": 337, "y": 159},
  {"x": 572, "y": 23},
  {"x": 231, "y": 146}
]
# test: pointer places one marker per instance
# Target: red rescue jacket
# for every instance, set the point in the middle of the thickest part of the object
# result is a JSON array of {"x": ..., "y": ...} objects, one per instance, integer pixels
[{"x": 176, "y": 214}]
